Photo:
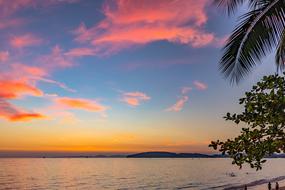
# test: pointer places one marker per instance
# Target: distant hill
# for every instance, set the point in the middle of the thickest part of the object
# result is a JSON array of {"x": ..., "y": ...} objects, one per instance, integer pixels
[
  {"x": 172, "y": 155},
  {"x": 186, "y": 155},
  {"x": 157, "y": 154}
]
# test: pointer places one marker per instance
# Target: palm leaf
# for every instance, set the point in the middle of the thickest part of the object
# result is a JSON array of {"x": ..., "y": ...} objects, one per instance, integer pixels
[
  {"x": 255, "y": 36},
  {"x": 231, "y": 5},
  {"x": 280, "y": 53}
]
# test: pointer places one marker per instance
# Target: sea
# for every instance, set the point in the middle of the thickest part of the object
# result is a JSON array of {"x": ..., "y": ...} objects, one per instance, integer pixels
[{"x": 135, "y": 173}]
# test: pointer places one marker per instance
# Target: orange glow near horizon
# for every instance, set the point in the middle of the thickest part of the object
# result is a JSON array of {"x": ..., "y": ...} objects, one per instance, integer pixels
[{"x": 87, "y": 138}]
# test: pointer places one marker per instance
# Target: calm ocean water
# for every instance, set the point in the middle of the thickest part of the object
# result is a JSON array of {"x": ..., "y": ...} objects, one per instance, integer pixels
[{"x": 127, "y": 173}]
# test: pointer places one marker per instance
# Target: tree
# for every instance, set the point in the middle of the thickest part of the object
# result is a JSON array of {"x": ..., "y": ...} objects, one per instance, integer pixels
[
  {"x": 264, "y": 118},
  {"x": 260, "y": 30}
]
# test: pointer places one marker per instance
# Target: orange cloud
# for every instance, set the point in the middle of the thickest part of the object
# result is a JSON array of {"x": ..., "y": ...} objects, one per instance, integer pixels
[
  {"x": 178, "y": 106},
  {"x": 26, "y": 116},
  {"x": 200, "y": 85},
  {"x": 4, "y": 55},
  {"x": 25, "y": 40},
  {"x": 83, "y": 104},
  {"x": 30, "y": 75},
  {"x": 12, "y": 113},
  {"x": 134, "y": 98},
  {"x": 14, "y": 89},
  {"x": 129, "y": 23},
  {"x": 18, "y": 80}
]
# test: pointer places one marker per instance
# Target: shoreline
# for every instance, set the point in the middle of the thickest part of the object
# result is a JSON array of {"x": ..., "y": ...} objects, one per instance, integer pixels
[{"x": 261, "y": 184}]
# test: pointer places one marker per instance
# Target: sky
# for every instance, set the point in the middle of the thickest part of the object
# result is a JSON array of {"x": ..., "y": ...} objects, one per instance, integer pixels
[{"x": 116, "y": 76}]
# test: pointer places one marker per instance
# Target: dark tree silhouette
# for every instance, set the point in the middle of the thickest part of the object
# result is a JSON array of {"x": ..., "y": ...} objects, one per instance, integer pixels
[{"x": 264, "y": 118}]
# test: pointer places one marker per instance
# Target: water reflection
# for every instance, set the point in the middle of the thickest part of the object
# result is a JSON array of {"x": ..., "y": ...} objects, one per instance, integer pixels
[{"x": 122, "y": 173}]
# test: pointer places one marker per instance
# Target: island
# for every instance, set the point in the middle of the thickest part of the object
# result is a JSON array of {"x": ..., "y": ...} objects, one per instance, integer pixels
[{"x": 173, "y": 155}]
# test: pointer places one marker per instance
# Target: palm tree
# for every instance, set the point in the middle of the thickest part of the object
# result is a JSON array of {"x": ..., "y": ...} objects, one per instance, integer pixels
[{"x": 260, "y": 30}]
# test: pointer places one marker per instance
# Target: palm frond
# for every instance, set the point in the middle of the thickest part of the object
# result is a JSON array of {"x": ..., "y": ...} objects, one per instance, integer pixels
[
  {"x": 280, "y": 53},
  {"x": 255, "y": 36},
  {"x": 231, "y": 5}
]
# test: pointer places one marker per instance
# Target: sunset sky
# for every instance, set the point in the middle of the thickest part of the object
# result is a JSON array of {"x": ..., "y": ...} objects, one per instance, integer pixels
[{"x": 115, "y": 76}]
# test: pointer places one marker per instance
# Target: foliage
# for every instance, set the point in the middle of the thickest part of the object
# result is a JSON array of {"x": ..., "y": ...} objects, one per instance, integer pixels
[
  {"x": 259, "y": 31},
  {"x": 264, "y": 116}
]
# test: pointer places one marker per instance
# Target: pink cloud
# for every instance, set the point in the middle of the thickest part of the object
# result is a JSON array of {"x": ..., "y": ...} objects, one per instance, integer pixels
[
  {"x": 25, "y": 40},
  {"x": 59, "y": 58},
  {"x": 79, "y": 103},
  {"x": 59, "y": 84},
  {"x": 11, "y": 22},
  {"x": 134, "y": 98},
  {"x": 7, "y": 8},
  {"x": 56, "y": 59},
  {"x": 26, "y": 72},
  {"x": 178, "y": 106},
  {"x": 127, "y": 12},
  {"x": 185, "y": 89},
  {"x": 4, "y": 56},
  {"x": 130, "y": 23},
  {"x": 220, "y": 42},
  {"x": 79, "y": 52},
  {"x": 200, "y": 85}
]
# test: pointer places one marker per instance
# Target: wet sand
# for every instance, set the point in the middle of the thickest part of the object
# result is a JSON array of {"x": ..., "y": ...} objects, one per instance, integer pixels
[{"x": 281, "y": 188}]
